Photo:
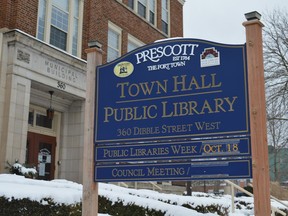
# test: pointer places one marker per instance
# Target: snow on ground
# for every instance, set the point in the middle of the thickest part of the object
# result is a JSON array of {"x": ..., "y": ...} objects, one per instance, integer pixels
[{"x": 63, "y": 191}]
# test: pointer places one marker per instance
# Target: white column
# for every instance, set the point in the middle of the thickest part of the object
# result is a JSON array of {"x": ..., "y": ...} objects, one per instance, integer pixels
[{"x": 15, "y": 119}]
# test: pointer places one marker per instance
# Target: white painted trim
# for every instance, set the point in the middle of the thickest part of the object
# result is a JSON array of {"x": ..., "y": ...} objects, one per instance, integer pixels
[
  {"x": 169, "y": 18},
  {"x": 48, "y": 12},
  {"x": 70, "y": 26},
  {"x": 135, "y": 41},
  {"x": 80, "y": 28},
  {"x": 118, "y": 31}
]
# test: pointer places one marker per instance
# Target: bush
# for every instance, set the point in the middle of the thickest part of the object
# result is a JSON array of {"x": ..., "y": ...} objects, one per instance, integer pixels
[
  {"x": 119, "y": 209},
  {"x": 27, "y": 207},
  {"x": 47, "y": 207},
  {"x": 22, "y": 169},
  {"x": 220, "y": 210}
]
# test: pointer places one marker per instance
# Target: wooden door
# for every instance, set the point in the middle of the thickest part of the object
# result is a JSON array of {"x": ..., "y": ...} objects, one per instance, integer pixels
[{"x": 41, "y": 154}]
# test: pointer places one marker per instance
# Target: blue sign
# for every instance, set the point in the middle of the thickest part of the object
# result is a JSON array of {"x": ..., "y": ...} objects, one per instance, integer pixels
[
  {"x": 219, "y": 169},
  {"x": 182, "y": 88},
  {"x": 174, "y": 150}
]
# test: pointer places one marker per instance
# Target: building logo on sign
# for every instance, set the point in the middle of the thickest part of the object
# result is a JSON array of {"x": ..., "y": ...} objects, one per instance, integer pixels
[
  {"x": 123, "y": 69},
  {"x": 210, "y": 57}
]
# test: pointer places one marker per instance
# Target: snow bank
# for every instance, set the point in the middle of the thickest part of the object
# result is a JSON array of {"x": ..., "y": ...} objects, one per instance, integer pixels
[{"x": 67, "y": 192}]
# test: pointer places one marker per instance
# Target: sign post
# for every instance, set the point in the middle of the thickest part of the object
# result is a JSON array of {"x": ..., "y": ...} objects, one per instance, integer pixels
[
  {"x": 90, "y": 188},
  {"x": 260, "y": 166},
  {"x": 163, "y": 105}
]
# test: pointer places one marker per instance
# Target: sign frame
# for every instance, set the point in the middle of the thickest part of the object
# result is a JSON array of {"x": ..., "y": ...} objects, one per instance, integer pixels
[
  {"x": 109, "y": 80},
  {"x": 229, "y": 147},
  {"x": 203, "y": 170}
]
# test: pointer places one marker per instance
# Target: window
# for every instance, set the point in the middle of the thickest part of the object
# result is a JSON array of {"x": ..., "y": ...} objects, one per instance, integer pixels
[
  {"x": 133, "y": 43},
  {"x": 38, "y": 122},
  {"x": 114, "y": 42},
  {"x": 152, "y": 7},
  {"x": 131, "y": 46},
  {"x": 37, "y": 118},
  {"x": 131, "y": 4},
  {"x": 60, "y": 24},
  {"x": 142, "y": 4},
  {"x": 43, "y": 121},
  {"x": 144, "y": 8},
  {"x": 165, "y": 16}
]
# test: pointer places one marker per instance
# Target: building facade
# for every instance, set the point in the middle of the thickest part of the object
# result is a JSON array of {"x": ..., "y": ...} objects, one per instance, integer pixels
[{"x": 43, "y": 71}]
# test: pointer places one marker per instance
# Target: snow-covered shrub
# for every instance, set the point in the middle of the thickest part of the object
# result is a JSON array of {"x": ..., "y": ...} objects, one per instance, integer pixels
[
  {"x": 20, "y": 169},
  {"x": 27, "y": 207}
]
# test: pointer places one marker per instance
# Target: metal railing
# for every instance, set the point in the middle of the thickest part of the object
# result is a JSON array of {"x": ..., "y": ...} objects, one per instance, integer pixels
[
  {"x": 154, "y": 185},
  {"x": 123, "y": 184},
  {"x": 273, "y": 209}
]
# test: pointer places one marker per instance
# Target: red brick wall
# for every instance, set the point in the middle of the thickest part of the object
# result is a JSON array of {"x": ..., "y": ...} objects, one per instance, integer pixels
[
  {"x": 5, "y": 6},
  {"x": 19, "y": 14},
  {"x": 22, "y": 14},
  {"x": 176, "y": 19},
  {"x": 97, "y": 16}
]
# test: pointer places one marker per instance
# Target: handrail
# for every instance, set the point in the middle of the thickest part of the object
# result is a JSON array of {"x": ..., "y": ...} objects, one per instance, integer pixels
[
  {"x": 157, "y": 186},
  {"x": 122, "y": 183},
  {"x": 239, "y": 188},
  {"x": 275, "y": 198},
  {"x": 274, "y": 210},
  {"x": 136, "y": 185}
]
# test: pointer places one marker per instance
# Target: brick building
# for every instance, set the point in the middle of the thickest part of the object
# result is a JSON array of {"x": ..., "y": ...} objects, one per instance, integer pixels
[{"x": 42, "y": 66}]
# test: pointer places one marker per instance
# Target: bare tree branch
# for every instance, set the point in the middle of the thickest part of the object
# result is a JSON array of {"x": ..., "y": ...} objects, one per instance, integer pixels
[{"x": 275, "y": 46}]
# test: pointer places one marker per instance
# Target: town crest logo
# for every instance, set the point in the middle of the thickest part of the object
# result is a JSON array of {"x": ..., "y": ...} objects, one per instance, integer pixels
[
  {"x": 210, "y": 57},
  {"x": 123, "y": 69}
]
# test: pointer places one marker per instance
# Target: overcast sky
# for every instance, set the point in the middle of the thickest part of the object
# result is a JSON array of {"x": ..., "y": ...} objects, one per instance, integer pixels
[{"x": 221, "y": 20}]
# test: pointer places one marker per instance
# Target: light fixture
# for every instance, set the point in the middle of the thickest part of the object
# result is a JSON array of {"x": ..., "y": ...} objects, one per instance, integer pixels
[{"x": 50, "y": 110}]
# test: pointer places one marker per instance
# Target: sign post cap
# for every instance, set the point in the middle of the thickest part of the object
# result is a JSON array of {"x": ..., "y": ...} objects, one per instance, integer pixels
[
  {"x": 253, "y": 15},
  {"x": 96, "y": 44}
]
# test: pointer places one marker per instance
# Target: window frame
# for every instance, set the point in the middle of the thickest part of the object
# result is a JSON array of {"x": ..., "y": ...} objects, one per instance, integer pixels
[
  {"x": 118, "y": 31},
  {"x": 39, "y": 129},
  {"x": 167, "y": 10},
  {"x": 47, "y": 24},
  {"x": 147, "y": 12},
  {"x": 135, "y": 41}
]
